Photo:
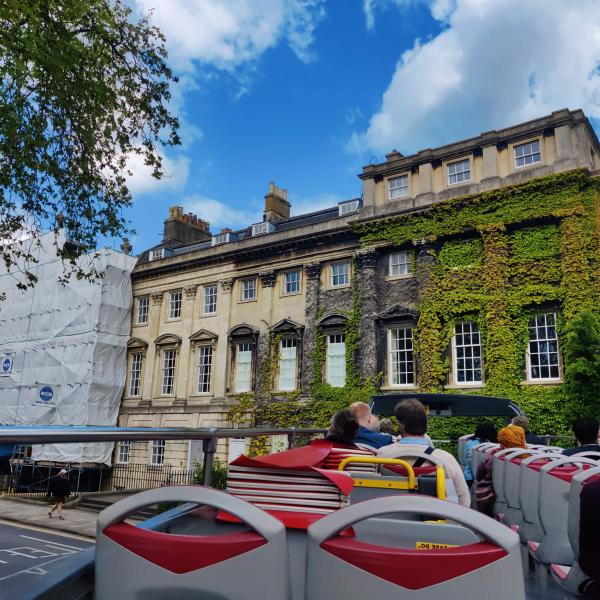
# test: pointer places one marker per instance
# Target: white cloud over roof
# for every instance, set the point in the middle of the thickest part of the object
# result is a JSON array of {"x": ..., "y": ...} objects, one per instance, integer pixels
[{"x": 495, "y": 63}]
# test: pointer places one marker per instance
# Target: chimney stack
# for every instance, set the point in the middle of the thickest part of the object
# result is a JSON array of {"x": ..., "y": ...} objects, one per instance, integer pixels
[
  {"x": 277, "y": 207},
  {"x": 181, "y": 229}
]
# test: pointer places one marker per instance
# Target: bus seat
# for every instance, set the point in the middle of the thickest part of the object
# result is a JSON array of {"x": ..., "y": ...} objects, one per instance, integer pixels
[
  {"x": 512, "y": 481},
  {"x": 570, "y": 578},
  {"x": 341, "y": 567},
  {"x": 498, "y": 460},
  {"x": 137, "y": 563},
  {"x": 554, "y": 488},
  {"x": 531, "y": 529}
]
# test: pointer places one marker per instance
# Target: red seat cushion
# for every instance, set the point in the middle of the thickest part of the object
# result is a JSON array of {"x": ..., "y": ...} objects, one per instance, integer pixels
[{"x": 410, "y": 568}]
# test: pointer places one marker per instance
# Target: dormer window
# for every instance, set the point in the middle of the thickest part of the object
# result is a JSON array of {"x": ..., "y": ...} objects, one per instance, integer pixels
[
  {"x": 157, "y": 254},
  {"x": 221, "y": 238},
  {"x": 347, "y": 208},
  {"x": 263, "y": 228}
]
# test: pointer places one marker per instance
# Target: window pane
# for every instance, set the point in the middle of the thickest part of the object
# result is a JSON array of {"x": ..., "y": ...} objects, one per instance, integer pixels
[
  {"x": 400, "y": 263},
  {"x": 543, "y": 347},
  {"x": 527, "y": 154},
  {"x": 124, "y": 451},
  {"x": 157, "y": 452},
  {"x": 287, "y": 364},
  {"x": 292, "y": 282},
  {"x": 467, "y": 346},
  {"x": 401, "y": 357},
  {"x": 205, "y": 357},
  {"x": 168, "y": 372},
  {"x": 135, "y": 373},
  {"x": 398, "y": 187},
  {"x": 459, "y": 171},
  {"x": 243, "y": 367},
  {"x": 210, "y": 299},
  {"x": 340, "y": 273},
  {"x": 142, "y": 311},
  {"x": 175, "y": 305},
  {"x": 248, "y": 289},
  {"x": 336, "y": 360}
]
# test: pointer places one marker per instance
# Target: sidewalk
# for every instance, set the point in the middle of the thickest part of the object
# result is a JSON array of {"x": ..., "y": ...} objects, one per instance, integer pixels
[{"x": 81, "y": 522}]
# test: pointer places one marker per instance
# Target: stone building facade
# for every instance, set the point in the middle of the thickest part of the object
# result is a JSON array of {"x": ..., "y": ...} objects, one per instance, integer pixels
[{"x": 210, "y": 307}]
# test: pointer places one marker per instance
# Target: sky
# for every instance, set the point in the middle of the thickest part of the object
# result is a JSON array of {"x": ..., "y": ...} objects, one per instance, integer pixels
[{"x": 307, "y": 92}]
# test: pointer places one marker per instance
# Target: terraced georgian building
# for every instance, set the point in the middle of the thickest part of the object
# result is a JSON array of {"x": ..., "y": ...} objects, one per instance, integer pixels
[{"x": 451, "y": 270}]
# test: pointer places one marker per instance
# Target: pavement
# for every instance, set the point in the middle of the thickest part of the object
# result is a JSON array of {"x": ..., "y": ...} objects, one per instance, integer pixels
[
  {"x": 76, "y": 521},
  {"x": 30, "y": 556}
]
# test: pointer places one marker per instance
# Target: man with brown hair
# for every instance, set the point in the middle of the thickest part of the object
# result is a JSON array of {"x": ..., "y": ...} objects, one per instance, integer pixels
[
  {"x": 368, "y": 424},
  {"x": 412, "y": 422}
]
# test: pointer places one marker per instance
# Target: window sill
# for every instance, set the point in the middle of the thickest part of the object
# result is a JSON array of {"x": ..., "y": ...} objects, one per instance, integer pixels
[
  {"x": 539, "y": 163},
  {"x": 464, "y": 386},
  {"x": 542, "y": 381},
  {"x": 398, "y": 197},
  {"x": 202, "y": 395},
  {"x": 206, "y": 315},
  {"x": 459, "y": 183},
  {"x": 395, "y": 388},
  {"x": 338, "y": 287},
  {"x": 173, "y": 320},
  {"x": 141, "y": 324},
  {"x": 286, "y": 294},
  {"x": 246, "y": 301},
  {"x": 396, "y": 277}
]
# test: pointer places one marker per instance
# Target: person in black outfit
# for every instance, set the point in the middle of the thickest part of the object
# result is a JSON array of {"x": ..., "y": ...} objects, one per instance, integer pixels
[
  {"x": 586, "y": 432},
  {"x": 589, "y": 534},
  {"x": 60, "y": 489},
  {"x": 343, "y": 428}
]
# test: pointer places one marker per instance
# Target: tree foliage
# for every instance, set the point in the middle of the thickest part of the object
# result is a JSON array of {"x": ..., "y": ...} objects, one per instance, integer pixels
[
  {"x": 582, "y": 361},
  {"x": 83, "y": 87}
]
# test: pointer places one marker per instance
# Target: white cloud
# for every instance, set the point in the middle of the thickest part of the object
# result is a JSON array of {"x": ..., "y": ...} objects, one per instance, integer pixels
[
  {"x": 229, "y": 33},
  {"x": 497, "y": 62},
  {"x": 141, "y": 181},
  {"x": 223, "y": 214},
  {"x": 220, "y": 214}
]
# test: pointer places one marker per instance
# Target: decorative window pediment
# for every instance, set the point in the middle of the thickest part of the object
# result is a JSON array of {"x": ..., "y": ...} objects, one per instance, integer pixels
[
  {"x": 137, "y": 344},
  {"x": 203, "y": 335},
  {"x": 287, "y": 326},
  {"x": 399, "y": 313},
  {"x": 243, "y": 331},
  {"x": 168, "y": 339},
  {"x": 334, "y": 321}
]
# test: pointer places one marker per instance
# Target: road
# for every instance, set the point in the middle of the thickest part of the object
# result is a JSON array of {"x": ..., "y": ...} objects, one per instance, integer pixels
[{"x": 28, "y": 554}]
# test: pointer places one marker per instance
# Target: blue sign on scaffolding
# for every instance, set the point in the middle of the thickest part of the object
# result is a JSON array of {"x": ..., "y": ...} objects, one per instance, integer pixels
[
  {"x": 6, "y": 365},
  {"x": 46, "y": 394}
]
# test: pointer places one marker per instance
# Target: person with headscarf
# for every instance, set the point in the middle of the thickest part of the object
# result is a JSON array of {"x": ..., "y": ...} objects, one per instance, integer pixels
[{"x": 512, "y": 436}]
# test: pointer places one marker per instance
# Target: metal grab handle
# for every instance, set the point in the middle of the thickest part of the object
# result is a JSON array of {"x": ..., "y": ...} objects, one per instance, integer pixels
[
  {"x": 568, "y": 460},
  {"x": 521, "y": 451},
  {"x": 543, "y": 456},
  {"x": 264, "y": 524},
  {"x": 412, "y": 484},
  {"x": 332, "y": 524}
]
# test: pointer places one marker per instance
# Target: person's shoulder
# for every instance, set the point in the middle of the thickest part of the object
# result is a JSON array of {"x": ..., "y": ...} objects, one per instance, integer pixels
[
  {"x": 444, "y": 455},
  {"x": 570, "y": 451}
]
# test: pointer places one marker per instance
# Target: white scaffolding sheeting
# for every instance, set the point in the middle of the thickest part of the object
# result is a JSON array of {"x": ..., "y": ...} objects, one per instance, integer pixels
[{"x": 63, "y": 349}]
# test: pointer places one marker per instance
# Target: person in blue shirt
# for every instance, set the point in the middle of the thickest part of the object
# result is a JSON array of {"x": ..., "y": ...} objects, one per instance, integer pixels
[
  {"x": 367, "y": 423},
  {"x": 485, "y": 432}
]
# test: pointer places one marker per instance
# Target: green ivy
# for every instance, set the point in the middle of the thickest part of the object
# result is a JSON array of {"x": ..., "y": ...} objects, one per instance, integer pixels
[{"x": 499, "y": 279}]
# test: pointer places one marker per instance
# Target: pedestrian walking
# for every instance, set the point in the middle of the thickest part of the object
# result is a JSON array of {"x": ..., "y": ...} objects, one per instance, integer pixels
[{"x": 60, "y": 489}]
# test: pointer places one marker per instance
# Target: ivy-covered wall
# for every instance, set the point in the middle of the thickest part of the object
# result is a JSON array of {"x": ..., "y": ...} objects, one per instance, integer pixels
[
  {"x": 500, "y": 256},
  {"x": 495, "y": 258}
]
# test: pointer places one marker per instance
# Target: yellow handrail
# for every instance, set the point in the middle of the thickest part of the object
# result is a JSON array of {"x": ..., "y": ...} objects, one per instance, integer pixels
[{"x": 412, "y": 482}]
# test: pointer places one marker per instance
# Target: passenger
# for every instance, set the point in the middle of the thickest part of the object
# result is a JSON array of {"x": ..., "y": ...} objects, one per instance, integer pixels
[
  {"x": 530, "y": 438},
  {"x": 589, "y": 534},
  {"x": 368, "y": 424},
  {"x": 511, "y": 436},
  {"x": 343, "y": 428},
  {"x": 385, "y": 426},
  {"x": 586, "y": 433},
  {"x": 412, "y": 421},
  {"x": 485, "y": 432}
]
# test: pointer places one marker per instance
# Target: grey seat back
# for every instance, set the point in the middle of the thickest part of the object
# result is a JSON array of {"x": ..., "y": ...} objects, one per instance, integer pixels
[
  {"x": 480, "y": 453},
  {"x": 341, "y": 567},
  {"x": 577, "y": 484},
  {"x": 554, "y": 509},
  {"x": 136, "y": 563},
  {"x": 512, "y": 482},
  {"x": 498, "y": 462}
]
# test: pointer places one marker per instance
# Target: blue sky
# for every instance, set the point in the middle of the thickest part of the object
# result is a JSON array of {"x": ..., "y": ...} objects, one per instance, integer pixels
[{"x": 305, "y": 92}]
